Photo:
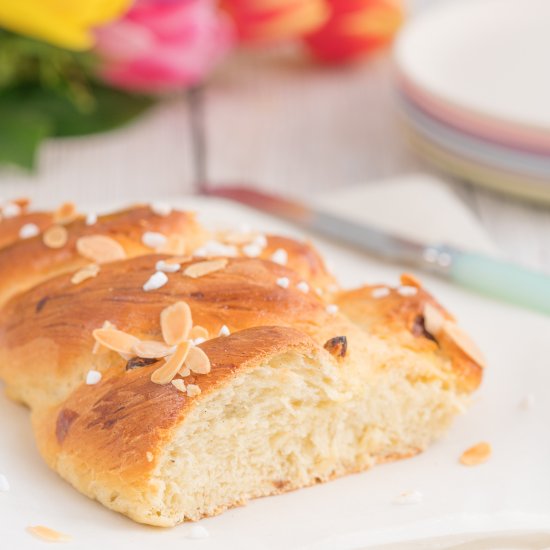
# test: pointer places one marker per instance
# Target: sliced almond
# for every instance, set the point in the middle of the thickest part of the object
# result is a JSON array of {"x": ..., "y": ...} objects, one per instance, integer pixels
[
  {"x": 184, "y": 371},
  {"x": 175, "y": 244},
  {"x": 197, "y": 361},
  {"x": 97, "y": 346},
  {"x": 166, "y": 373},
  {"x": 150, "y": 349},
  {"x": 236, "y": 237},
  {"x": 464, "y": 342},
  {"x": 192, "y": 390},
  {"x": 87, "y": 272},
  {"x": 22, "y": 202},
  {"x": 116, "y": 340},
  {"x": 65, "y": 213},
  {"x": 100, "y": 249},
  {"x": 176, "y": 322},
  {"x": 149, "y": 456},
  {"x": 198, "y": 332},
  {"x": 478, "y": 454},
  {"x": 408, "y": 279},
  {"x": 204, "y": 268},
  {"x": 55, "y": 237},
  {"x": 47, "y": 534},
  {"x": 179, "y": 384},
  {"x": 433, "y": 319}
]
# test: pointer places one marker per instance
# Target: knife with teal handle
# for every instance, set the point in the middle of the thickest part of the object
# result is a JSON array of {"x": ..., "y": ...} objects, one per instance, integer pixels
[{"x": 490, "y": 277}]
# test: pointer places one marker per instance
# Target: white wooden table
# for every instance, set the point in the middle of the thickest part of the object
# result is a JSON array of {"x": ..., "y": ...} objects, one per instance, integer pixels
[{"x": 274, "y": 121}]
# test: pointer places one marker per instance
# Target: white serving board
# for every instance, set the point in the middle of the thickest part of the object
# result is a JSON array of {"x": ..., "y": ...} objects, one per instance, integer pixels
[{"x": 510, "y": 492}]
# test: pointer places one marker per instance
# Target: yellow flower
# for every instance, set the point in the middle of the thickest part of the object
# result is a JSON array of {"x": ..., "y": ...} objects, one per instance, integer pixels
[{"x": 65, "y": 23}]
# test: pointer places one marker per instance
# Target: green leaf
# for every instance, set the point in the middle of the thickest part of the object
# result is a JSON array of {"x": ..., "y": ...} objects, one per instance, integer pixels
[
  {"x": 106, "y": 109},
  {"x": 30, "y": 114},
  {"x": 20, "y": 135}
]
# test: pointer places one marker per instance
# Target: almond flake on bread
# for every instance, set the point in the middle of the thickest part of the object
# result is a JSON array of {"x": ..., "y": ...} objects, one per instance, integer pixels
[{"x": 100, "y": 249}]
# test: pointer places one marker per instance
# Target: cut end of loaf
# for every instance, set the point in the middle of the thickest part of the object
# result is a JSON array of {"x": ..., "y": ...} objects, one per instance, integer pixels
[{"x": 290, "y": 422}]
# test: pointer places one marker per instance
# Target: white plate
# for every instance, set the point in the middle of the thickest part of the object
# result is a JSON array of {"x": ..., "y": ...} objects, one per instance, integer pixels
[
  {"x": 489, "y": 57},
  {"x": 510, "y": 492}
]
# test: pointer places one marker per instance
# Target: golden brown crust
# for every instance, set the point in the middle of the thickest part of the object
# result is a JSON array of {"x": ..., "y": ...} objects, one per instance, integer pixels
[
  {"x": 303, "y": 258},
  {"x": 122, "y": 424},
  {"x": 243, "y": 295},
  {"x": 10, "y": 227},
  {"x": 28, "y": 262},
  {"x": 63, "y": 316},
  {"x": 114, "y": 424},
  {"x": 399, "y": 318}
]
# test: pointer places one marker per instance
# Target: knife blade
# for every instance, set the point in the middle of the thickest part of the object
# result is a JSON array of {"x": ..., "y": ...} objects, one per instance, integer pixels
[{"x": 485, "y": 275}]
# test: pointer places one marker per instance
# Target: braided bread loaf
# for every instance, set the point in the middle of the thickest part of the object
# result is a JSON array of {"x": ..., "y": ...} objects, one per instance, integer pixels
[{"x": 171, "y": 385}]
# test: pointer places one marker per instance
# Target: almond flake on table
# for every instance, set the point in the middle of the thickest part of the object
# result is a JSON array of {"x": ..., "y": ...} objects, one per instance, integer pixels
[
  {"x": 4, "y": 484},
  {"x": 380, "y": 292},
  {"x": 93, "y": 377},
  {"x": 167, "y": 267},
  {"x": 283, "y": 282},
  {"x": 11, "y": 210},
  {"x": 478, "y": 454},
  {"x": 224, "y": 331},
  {"x": 91, "y": 218},
  {"x": 527, "y": 403},
  {"x": 409, "y": 497},
  {"x": 47, "y": 534},
  {"x": 280, "y": 256},
  {"x": 407, "y": 291},
  {"x": 332, "y": 309},
  {"x": 153, "y": 239},
  {"x": 28, "y": 231},
  {"x": 155, "y": 281},
  {"x": 161, "y": 208},
  {"x": 197, "y": 532},
  {"x": 302, "y": 286}
]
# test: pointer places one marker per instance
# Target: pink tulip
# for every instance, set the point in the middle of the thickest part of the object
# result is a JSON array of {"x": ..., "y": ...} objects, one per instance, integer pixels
[{"x": 163, "y": 45}]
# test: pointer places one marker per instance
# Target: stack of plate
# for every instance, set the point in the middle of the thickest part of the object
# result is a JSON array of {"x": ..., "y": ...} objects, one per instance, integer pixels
[{"x": 474, "y": 86}]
